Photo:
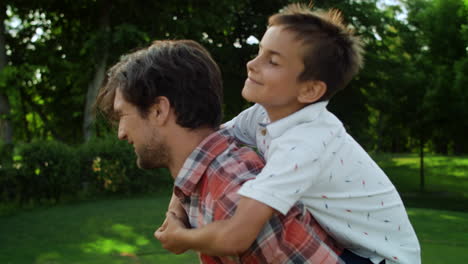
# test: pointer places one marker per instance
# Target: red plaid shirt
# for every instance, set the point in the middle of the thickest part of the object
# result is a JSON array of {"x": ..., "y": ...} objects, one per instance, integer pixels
[{"x": 207, "y": 186}]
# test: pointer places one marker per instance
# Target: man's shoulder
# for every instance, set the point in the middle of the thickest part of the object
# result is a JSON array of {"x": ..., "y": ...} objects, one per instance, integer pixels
[
  {"x": 237, "y": 160},
  {"x": 229, "y": 170}
]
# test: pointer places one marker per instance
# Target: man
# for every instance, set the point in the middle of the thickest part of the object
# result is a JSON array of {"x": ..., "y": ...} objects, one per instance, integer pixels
[{"x": 167, "y": 101}]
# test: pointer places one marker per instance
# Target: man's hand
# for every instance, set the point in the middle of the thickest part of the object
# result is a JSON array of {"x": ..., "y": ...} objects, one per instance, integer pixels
[{"x": 168, "y": 234}]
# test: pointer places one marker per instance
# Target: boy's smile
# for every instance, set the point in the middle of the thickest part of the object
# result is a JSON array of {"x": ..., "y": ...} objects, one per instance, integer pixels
[{"x": 273, "y": 75}]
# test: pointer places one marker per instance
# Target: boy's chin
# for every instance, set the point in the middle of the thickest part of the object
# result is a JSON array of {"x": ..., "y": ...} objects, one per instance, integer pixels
[{"x": 245, "y": 94}]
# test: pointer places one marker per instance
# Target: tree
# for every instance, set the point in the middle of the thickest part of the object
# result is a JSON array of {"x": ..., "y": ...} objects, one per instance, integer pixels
[{"x": 6, "y": 130}]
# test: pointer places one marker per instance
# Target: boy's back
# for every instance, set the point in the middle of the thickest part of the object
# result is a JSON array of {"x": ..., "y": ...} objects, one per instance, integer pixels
[{"x": 311, "y": 158}]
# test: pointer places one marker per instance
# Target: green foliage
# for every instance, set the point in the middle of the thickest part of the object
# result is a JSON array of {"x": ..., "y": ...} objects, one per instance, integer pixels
[
  {"x": 46, "y": 171},
  {"x": 411, "y": 89},
  {"x": 109, "y": 166},
  {"x": 51, "y": 171}
]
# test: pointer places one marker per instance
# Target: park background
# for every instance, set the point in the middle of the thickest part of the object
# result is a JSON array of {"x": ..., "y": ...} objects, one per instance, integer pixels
[{"x": 71, "y": 193}]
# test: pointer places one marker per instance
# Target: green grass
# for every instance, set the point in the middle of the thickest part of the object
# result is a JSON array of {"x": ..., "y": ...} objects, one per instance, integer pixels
[
  {"x": 446, "y": 180},
  {"x": 106, "y": 231},
  {"x": 121, "y": 231},
  {"x": 443, "y": 235}
]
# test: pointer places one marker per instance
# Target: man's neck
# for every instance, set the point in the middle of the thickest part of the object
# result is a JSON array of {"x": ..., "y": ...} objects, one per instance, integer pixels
[{"x": 182, "y": 143}]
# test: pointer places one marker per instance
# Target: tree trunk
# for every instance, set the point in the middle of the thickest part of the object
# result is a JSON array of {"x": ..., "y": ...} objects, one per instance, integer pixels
[
  {"x": 6, "y": 129},
  {"x": 99, "y": 74},
  {"x": 421, "y": 163}
]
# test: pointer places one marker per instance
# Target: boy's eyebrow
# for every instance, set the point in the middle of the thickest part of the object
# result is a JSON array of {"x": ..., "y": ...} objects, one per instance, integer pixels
[{"x": 272, "y": 52}]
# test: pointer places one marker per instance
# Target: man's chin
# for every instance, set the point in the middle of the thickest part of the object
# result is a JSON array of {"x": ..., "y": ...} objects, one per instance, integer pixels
[{"x": 145, "y": 164}]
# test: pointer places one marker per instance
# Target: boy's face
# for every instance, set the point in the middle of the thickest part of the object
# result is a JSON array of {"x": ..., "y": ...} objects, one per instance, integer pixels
[{"x": 273, "y": 75}]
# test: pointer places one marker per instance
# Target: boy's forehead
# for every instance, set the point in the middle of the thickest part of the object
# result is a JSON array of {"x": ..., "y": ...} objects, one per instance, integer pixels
[
  {"x": 276, "y": 35},
  {"x": 279, "y": 39}
]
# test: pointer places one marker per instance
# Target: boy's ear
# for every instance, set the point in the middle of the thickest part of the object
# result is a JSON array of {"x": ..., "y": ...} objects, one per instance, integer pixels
[
  {"x": 312, "y": 91},
  {"x": 160, "y": 111}
]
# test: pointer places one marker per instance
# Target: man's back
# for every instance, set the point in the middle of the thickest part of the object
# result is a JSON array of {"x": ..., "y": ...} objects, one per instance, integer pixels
[{"x": 207, "y": 186}]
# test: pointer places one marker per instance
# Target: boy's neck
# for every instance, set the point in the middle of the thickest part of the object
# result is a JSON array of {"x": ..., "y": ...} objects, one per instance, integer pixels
[{"x": 279, "y": 112}]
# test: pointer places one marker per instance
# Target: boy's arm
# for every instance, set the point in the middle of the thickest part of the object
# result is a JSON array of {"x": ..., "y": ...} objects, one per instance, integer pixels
[{"x": 224, "y": 237}]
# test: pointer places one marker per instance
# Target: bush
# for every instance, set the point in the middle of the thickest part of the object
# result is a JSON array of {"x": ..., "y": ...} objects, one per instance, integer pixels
[
  {"x": 109, "y": 166},
  {"x": 46, "y": 171},
  {"x": 50, "y": 171}
]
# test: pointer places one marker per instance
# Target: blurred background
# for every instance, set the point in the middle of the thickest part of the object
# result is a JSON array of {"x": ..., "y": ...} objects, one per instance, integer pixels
[{"x": 71, "y": 193}]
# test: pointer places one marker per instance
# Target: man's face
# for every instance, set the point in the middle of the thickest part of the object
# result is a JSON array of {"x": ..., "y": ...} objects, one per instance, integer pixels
[
  {"x": 273, "y": 75},
  {"x": 142, "y": 133}
]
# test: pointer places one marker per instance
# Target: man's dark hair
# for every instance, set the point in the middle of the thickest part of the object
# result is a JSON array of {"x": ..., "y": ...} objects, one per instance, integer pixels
[{"x": 181, "y": 70}]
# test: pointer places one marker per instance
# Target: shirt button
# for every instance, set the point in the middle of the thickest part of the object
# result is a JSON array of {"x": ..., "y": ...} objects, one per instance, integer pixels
[{"x": 263, "y": 132}]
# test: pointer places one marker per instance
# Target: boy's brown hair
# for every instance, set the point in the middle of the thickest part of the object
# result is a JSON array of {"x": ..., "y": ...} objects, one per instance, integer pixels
[{"x": 331, "y": 51}]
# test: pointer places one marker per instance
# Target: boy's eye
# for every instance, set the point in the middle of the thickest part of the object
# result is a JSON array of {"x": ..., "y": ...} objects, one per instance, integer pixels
[{"x": 273, "y": 62}]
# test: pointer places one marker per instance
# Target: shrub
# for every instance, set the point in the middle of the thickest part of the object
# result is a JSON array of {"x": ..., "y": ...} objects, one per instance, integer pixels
[
  {"x": 50, "y": 171},
  {"x": 46, "y": 171},
  {"x": 109, "y": 166}
]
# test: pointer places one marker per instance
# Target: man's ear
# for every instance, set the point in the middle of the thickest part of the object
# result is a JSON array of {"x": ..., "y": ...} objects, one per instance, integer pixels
[
  {"x": 311, "y": 91},
  {"x": 160, "y": 111}
]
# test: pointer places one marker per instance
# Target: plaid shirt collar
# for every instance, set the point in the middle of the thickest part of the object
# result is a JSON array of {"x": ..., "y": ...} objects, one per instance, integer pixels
[{"x": 198, "y": 161}]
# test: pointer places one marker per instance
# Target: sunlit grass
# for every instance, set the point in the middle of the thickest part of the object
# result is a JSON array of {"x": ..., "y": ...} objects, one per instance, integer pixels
[
  {"x": 443, "y": 174},
  {"x": 109, "y": 231}
]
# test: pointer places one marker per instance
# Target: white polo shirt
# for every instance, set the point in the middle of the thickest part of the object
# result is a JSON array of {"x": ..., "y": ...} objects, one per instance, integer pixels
[{"x": 310, "y": 157}]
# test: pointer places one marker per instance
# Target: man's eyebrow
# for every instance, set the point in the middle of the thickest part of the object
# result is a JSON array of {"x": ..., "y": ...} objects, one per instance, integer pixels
[
  {"x": 271, "y": 52},
  {"x": 117, "y": 111}
]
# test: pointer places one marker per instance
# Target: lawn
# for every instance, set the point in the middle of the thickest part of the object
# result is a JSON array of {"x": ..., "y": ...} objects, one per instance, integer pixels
[
  {"x": 120, "y": 230},
  {"x": 446, "y": 180},
  {"x": 105, "y": 231},
  {"x": 443, "y": 235}
]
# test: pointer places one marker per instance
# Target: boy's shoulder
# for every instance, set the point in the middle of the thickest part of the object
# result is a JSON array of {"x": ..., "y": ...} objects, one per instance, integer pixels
[{"x": 306, "y": 123}]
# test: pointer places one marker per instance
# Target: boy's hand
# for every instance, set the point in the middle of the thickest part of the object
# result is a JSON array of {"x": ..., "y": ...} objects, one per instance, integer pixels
[{"x": 168, "y": 233}]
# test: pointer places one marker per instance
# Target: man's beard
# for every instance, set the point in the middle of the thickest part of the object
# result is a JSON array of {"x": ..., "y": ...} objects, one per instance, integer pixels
[{"x": 153, "y": 156}]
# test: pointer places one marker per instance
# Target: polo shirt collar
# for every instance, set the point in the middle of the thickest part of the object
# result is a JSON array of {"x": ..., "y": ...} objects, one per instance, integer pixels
[
  {"x": 198, "y": 161},
  {"x": 306, "y": 114}
]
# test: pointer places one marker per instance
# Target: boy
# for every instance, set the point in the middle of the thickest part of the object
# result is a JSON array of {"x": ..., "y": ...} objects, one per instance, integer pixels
[{"x": 306, "y": 57}]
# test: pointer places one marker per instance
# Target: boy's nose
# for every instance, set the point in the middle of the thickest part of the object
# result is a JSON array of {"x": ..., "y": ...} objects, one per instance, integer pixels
[{"x": 251, "y": 65}]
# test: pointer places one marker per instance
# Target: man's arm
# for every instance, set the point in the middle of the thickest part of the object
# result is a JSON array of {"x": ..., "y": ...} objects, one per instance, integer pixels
[
  {"x": 176, "y": 209},
  {"x": 224, "y": 237}
]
